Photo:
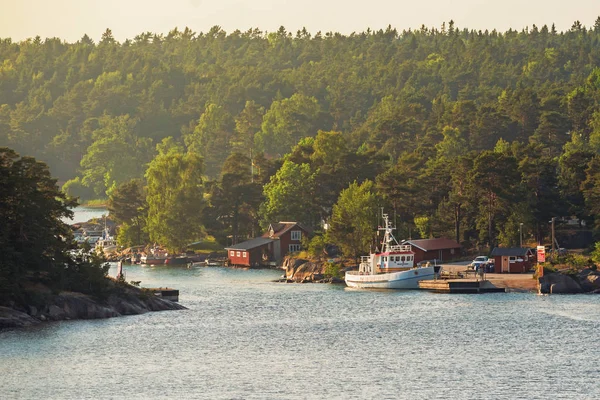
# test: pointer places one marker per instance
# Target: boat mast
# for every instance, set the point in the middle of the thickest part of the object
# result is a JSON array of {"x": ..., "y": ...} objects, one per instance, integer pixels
[{"x": 388, "y": 237}]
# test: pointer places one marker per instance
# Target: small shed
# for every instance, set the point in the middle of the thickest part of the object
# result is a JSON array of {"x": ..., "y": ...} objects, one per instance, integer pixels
[
  {"x": 280, "y": 239},
  {"x": 440, "y": 249},
  {"x": 511, "y": 260},
  {"x": 250, "y": 253}
]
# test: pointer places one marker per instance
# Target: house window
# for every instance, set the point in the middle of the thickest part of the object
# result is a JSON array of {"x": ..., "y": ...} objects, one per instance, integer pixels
[
  {"x": 294, "y": 247},
  {"x": 512, "y": 259},
  {"x": 231, "y": 253},
  {"x": 296, "y": 235},
  {"x": 451, "y": 251},
  {"x": 237, "y": 253},
  {"x": 244, "y": 254}
]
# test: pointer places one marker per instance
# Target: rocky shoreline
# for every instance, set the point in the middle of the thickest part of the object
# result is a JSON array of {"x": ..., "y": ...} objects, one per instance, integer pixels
[
  {"x": 570, "y": 282},
  {"x": 563, "y": 282},
  {"x": 71, "y": 306}
]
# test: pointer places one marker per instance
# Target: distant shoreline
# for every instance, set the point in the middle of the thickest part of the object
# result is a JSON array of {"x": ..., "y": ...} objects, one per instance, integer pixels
[{"x": 95, "y": 204}]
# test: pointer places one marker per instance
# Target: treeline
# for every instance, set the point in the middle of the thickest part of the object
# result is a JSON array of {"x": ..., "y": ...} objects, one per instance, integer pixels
[
  {"x": 37, "y": 250},
  {"x": 463, "y": 133}
]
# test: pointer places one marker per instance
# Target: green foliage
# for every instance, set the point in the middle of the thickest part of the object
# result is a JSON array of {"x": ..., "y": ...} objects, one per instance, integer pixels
[
  {"x": 289, "y": 195},
  {"x": 353, "y": 218},
  {"x": 595, "y": 254},
  {"x": 116, "y": 155},
  {"x": 286, "y": 122},
  {"x": 423, "y": 225},
  {"x": 175, "y": 197},
  {"x": 315, "y": 246},
  {"x": 332, "y": 270},
  {"x": 34, "y": 242},
  {"x": 409, "y": 110},
  {"x": 127, "y": 206}
]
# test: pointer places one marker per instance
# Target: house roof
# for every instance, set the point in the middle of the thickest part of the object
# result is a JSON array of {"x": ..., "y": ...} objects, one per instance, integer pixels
[
  {"x": 433, "y": 244},
  {"x": 510, "y": 251},
  {"x": 280, "y": 228},
  {"x": 250, "y": 244}
]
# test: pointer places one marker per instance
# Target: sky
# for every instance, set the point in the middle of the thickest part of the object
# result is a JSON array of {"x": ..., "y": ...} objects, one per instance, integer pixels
[{"x": 71, "y": 19}]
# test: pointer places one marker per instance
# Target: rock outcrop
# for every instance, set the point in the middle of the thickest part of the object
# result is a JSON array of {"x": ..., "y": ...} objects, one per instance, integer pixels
[
  {"x": 304, "y": 271},
  {"x": 11, "y": 318},
  {"x": 557, "y": 283},
  {"x": 589, "y": 280},
  {"x": 70, "y": 305}
]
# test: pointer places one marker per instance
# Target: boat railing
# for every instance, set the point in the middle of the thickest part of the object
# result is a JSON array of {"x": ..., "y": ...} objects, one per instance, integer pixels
[{"x": 401, "y": 247}]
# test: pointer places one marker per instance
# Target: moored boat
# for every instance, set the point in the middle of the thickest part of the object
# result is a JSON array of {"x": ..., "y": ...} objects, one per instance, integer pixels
[
  {"x": 177, "y": 260},
  {"x": 150, "y": 259},
  {"x": 391, "y": 268}
]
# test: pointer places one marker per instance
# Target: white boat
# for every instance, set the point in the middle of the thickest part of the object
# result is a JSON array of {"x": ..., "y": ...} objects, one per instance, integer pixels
[{"x": 391, "y": 268}]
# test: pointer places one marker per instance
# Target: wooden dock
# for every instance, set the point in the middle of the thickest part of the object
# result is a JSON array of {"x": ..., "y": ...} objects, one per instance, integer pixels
[{"x": 460, "y": 286}]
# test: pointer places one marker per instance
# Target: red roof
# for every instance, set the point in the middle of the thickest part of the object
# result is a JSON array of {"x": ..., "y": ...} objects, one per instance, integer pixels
[
  {"x": 282, "y": 227},
  {"x": 433, "y": 244}
]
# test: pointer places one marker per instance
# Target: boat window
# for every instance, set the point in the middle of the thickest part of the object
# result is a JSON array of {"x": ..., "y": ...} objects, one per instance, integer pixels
[{"x": 402, "y": 258}]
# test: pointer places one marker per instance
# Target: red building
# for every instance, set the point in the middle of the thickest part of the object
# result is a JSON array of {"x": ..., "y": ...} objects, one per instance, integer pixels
[
  {"x": 440, "y": 249},
  {"x": 269, "y": 249},
  {"x": 512, "y": 260}
]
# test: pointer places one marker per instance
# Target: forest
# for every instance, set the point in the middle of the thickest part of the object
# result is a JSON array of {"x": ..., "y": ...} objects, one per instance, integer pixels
[{"x": 473, "y": 135}]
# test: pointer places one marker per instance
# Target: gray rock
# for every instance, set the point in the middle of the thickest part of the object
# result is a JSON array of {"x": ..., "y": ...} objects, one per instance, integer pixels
[
  {"x": 558, "y": 283},
  {"x": 589, "y": 280},
  {"x": 10, "y": 318}
]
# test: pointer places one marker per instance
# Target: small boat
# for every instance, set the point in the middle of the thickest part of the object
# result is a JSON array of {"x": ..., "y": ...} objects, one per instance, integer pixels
[
  {"x": 391, "y": 268},
  {"x": 213, "y": 263},
  {"x": 177, "y": 260},
  {"x": 156, "y": 256},
  {"x": 150, "y": 259}
]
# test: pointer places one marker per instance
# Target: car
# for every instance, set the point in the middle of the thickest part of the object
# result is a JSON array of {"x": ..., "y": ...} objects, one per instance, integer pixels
[{"x": 479, "y": 261}]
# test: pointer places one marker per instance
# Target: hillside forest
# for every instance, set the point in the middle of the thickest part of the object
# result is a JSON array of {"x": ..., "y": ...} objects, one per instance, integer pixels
[{"x": 475, "y": 135}]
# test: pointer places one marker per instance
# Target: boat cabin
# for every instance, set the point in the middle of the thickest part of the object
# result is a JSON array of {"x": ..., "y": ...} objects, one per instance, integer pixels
[{"x": 397, "y": 258}]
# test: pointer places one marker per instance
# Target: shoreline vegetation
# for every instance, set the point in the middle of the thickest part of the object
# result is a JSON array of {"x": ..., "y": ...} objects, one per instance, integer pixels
[
  {"x": 491, "y": 138},
  {"x": 44, "y": 274},
  {"x": 97, "y": 203}
]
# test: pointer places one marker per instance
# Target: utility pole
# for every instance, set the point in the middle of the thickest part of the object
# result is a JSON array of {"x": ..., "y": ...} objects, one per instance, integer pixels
[
  {"x": 553, "y": 234},
  {"x": 521, "y": 235}
]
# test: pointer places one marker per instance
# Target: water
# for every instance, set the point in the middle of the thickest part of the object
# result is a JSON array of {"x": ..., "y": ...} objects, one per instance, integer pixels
[
  {"x": 84, "y": 214},
  {"x": 245, "y": 337}
]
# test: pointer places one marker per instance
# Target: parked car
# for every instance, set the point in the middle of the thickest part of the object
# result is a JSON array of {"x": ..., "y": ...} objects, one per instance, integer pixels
[
  {"x": 490, "y": 265},
  {"x": 479, "y": 261}
]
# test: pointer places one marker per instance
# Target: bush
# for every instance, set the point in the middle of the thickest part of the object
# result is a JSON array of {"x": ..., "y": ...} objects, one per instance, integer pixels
[
  {"x": 315, "y": 246},
  {"x": 332, "y": 270}
]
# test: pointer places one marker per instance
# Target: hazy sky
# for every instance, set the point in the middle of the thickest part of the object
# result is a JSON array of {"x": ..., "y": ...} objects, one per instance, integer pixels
[{"x": 70, "y": 19}]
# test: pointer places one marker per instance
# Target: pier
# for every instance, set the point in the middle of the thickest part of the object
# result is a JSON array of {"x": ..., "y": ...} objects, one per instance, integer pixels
[{"x": 460, "y": 286}]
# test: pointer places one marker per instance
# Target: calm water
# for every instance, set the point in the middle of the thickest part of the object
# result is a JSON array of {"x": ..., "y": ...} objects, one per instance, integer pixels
[
  {"x": 84, "y": 214},
  {"x": 245, "y": 337}
]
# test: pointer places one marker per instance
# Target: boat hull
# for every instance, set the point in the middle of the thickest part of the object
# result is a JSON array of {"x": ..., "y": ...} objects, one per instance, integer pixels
[
  {"x": 408, "y": 279},
  {"x": 152, "y": 261},
  {"x": 177, "y": 260}
]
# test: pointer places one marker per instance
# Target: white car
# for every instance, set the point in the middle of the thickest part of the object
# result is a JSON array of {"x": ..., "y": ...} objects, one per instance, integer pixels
[{"x": 480, "y": 261}]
